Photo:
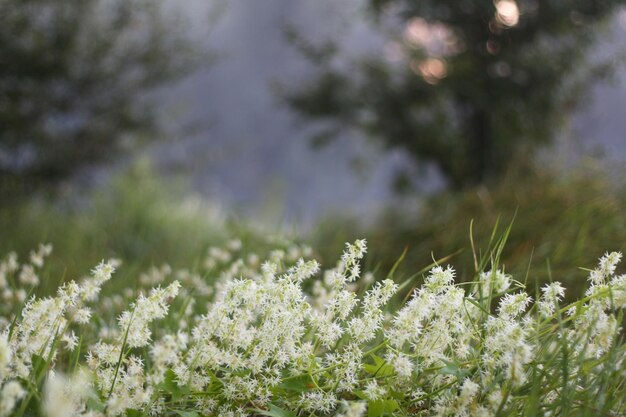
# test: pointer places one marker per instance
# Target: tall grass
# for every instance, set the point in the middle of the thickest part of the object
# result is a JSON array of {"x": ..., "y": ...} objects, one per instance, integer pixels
[
  {"x": 134, "y": 217},
  {"x": 240, "y": 336},
  {"x": 559, "y": 220}
]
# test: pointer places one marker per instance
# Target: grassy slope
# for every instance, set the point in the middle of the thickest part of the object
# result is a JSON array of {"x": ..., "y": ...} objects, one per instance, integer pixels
[
  {"x": 561, "y": 220},
  {"x": 134, "y": 218}
]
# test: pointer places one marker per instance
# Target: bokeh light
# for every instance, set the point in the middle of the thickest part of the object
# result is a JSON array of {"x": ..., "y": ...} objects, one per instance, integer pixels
[
  {"x": 432, "y": 70},
  {"x": 507, "y": 12}
]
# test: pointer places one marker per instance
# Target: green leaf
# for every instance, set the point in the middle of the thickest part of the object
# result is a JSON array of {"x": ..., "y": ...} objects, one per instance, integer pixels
[
  {"x": 94, "y": 402},
  {"x": 39, "y": 365},
  {"x": 301, "y": 383},
  {"x": 182, "y": 413},
  {"x": 360, "y": 395},
  {"x": 170, "y": 386},
  {"x": 275, "y": 411},
  {"x": 379, "y": 408},
  {"x": 453, "y": 368},
  {"x": 380, "y": 368}
]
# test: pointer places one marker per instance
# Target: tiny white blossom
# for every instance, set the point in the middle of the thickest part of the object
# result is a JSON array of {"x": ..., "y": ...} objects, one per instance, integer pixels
[
  {"x": 70, "y": 340},
  {"x": 512, "y": 305},
  {"x": 438, "y": 279},
  {"x": 606, "y": 268},
  {"x": 353, "y": 409},
  {"x": 551, "y": 295},
  {"x": 10, "y": 394},
  {"x": 103, "y": 272},
  {"x": 469, "y": 390},
  {"x": 373, "y": 391},
  {"x": 5, "y": 355},
  {"x": 496, "y": 281}
]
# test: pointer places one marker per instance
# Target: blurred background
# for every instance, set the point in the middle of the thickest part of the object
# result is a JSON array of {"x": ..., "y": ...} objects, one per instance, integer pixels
[{"x": 151, "y": 130}]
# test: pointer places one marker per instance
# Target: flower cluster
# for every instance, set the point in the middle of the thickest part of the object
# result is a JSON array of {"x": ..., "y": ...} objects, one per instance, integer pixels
[{"x": 240, "y": 337}]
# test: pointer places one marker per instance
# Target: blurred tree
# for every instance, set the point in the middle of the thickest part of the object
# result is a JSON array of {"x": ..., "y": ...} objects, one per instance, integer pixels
[
  {"x": 75, "y": 81},
  {"x": 469, "y": 85}
]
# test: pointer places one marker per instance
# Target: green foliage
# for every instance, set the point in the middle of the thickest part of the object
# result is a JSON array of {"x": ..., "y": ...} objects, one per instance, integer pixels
[
  {"x": 379, "y": 408},
  {"x": 274, "y": 411},
  {"x": 136, "y": 216},
  {"x": 559, "y": 220},
  {"x": 471, "y": 86},
  {"x": 75, "y": 81},
  {"x": 261, "y": 346}
]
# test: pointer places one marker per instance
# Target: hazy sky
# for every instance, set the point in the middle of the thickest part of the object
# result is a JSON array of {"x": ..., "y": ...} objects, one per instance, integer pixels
[{"x": 251, "y": 154}]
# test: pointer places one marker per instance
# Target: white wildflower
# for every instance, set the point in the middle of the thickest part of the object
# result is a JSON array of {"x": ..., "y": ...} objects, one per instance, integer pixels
[
  {"x": 5, "y": 356},
  {"x": 234, "y": 345},
  {"x": 321, "y": 401},
  {"x": 352, "y": 409},
  {"x": 350, "y": 258},
  {"x": 104, "y": 270},
  {"x": 327, "y": 331},
  {"x": 606, "y": 268},
  {"x": 401, "y": 363},
  {"x": 373, "y": 391},
  {"x": 37, "y": 257},
  {"x": 65, "y": 396},
  {"x": 303, "y": 270},
  {"x": 11, "y": 393},
  {"x": 28, "y": 276},
  {"x": 82, "y": 315},
  {"x": 469, "y": 390},
  {"x": 496, "y": 281},
  {"x": 71, "y": 341},
  {"x": 512, "y": 305},
  {"x": 146, "y": 309},
  {"x": 495, "y": 399},
  {"x": 551, "y": 295},
  {"x": 439, "y": 279}
]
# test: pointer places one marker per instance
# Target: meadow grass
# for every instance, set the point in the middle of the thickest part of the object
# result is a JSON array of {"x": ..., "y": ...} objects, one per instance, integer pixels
[
  {"x": 250, "y": 334},
  {"x": 136, "y": 217},
  {"x": 561, "y": 221},
  {"x": 197, "y": 314}
]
